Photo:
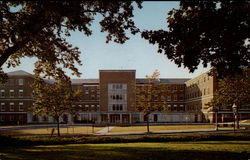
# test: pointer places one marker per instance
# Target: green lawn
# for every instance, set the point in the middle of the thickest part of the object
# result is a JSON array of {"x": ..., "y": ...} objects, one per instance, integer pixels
[
  {"x": 47, "y": 131},
  {"x": 160, "y": 128},
  {"x": 207, "y": 150}
]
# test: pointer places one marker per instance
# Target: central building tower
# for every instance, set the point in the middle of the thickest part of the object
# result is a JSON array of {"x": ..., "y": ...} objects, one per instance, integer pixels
[{"x": 117, "y": 95}]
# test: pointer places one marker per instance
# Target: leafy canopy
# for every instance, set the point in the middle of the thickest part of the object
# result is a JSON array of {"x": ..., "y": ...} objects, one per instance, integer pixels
[
  {"x": 54, "y": 99},
  {"x": 215, "y": 32},
  {"x": 232, "y": 90},
  {"x": 38, "y": 29},
  {"x": 152, "y": 95}
]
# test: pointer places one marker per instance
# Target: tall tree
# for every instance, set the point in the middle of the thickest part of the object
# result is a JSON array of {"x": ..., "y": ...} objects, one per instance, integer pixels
[
  {"x": 38, "y": 29},
  {"x": 54, "y": 99},
  {"x": 151, "y": 96},
  {"x": 232, "y": 90},
  {"x": 215, "y": 32}
]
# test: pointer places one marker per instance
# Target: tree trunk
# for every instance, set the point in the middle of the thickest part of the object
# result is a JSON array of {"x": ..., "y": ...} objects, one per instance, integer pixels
[
  {"x": 58, "y": 127},
  {"x": 147, "y": 124}
]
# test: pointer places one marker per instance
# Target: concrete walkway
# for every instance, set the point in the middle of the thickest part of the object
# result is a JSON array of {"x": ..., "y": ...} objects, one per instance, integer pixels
[{"x": 104, "y": 131}]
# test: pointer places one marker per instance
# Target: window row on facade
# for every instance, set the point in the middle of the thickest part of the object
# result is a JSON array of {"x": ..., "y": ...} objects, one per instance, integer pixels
[
  {"x": 12, "y": 82},
  {"x": 12, "y": 106},
  {"x": 173, "y": 97},
  {"x": 166, "y": 87},
  {"x": 88, "y": 107},
  {"x": 197, "y": 93},
  {"x": 12, "y": 93},
  {"x": 11, "y": 118}
]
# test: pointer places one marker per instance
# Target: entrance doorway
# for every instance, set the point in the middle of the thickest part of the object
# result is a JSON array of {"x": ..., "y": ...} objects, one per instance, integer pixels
[
  {"x": 155, "y": 118},
  {"x": 125, "y": 118},
  {"x": 114, "y": 118}
]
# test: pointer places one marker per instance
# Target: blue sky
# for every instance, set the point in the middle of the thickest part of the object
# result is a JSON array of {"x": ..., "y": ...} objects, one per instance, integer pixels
[{"x": 136, "y": 53}]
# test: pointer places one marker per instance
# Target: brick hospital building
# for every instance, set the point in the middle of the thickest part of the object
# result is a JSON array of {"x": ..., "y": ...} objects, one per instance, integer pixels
[{"x": 112, "y": 97}]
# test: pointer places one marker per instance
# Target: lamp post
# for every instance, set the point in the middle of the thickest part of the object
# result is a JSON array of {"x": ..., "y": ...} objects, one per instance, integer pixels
[{"x": 234, "y": 108}]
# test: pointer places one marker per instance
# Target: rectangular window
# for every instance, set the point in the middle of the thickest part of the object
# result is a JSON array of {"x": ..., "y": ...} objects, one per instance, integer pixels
[
  {"x": 175, "y": 97},
  {"x": 11, "y": 82},
  {"x": 181, "y": 97},
  {"x": 175, "y": 107},
  {"x": 11, "y": 106},
  {"x": 2, "y": 106},
  {"x": 11, "y": 93},
  {"x": 11, "y": 118},
  {"x": 182, "y": 107},
  {"x": 20, "y": 82},
  {"x": 117, "y": 107},
  {"x": 2, "y": 93},
  {"x": 174, "y": 88},
  {"x": 86, "y": 107},
  {"x": 2, "y": 118},
  {"x": 169, "y": 98},
  {"x": 21, "y": 107},
  {"x": 169, "y": 107},
  {"x": 20, "y": 93},
  {"x": 34, "y": 118},
  {"x": 20, "y": 117}
]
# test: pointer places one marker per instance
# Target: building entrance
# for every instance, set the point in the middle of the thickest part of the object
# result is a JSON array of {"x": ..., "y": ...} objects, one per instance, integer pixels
[
  {"x": 115, "y": 118},
  {"x": 125, "y": 118}
]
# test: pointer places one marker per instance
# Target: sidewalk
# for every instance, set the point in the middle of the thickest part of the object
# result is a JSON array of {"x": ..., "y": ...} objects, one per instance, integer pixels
[{"x": 105, "y": 132}]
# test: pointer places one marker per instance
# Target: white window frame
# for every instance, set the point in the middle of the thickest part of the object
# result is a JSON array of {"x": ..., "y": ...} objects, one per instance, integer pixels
[
  {"x": 2, "y": 95},
  {"x": 2, "y": 107},
  {"x": 20, "y": 91},
  {"x": 12, "y": 104},
  {"x": 20, "y": 82},
  {"x": 12, "y": 95},
  {"x": 21, "y": 104}
]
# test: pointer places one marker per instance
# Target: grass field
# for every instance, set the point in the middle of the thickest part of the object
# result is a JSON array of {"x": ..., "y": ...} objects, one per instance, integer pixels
[
  {"x": 206, "y": 150},
  {"x": 160, "y": 128},
  {"x": 47, "y": 131}
]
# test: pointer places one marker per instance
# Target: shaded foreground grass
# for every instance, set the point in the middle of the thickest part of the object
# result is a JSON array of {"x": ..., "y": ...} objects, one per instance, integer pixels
[
  {"x": 206, "y": 150},
  {"x": 160, "y": 128},
  {"x": 47, "y": 131}
]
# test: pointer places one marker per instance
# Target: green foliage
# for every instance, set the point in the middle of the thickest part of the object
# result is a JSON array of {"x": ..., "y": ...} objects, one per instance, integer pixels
[
  {"x": 38, "y": 29},
  {"x": 232, "y": 90},
  {"x": 54, "y": 99},
  {"x": 151, "y": 96},
  {"x": 215, "y": 32}
]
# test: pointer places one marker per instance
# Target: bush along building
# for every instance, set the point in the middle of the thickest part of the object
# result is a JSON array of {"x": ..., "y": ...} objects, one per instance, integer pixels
[{"x": 112, "y": 99}]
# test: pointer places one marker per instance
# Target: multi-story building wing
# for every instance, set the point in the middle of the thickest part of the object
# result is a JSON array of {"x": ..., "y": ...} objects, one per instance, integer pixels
[
  {"x": 89, "y": 102},
  {"x": 112, "y": 99},
  {"x": 15, "y": 98},
  {"x": 199, "y": 91}
]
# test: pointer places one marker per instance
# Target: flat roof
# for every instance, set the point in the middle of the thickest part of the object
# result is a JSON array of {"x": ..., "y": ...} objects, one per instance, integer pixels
[
  {"x": 165, "y": 80},
  {"x": 117, "y": 70}
]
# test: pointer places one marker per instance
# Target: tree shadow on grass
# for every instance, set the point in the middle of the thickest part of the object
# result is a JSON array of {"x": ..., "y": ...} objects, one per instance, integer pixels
[{"x": 104, "y": 152}]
